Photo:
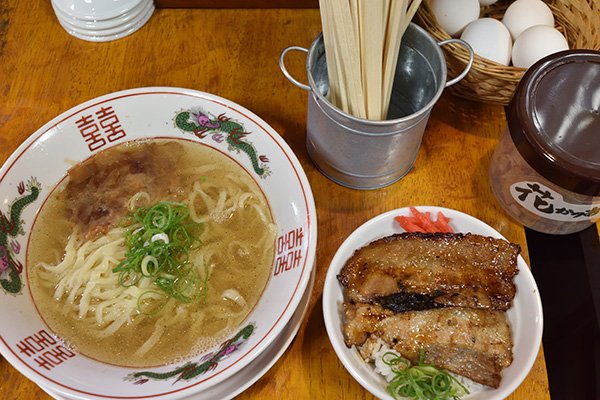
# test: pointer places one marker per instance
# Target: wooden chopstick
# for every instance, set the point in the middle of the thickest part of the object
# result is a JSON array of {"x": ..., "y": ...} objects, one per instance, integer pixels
[
  {"x": 392, "y": 49},
  {"x": 372, "y": 29}
]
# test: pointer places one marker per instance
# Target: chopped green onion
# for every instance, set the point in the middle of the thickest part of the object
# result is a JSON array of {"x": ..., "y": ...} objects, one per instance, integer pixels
[
  {"x": 128, "y": 278},
  {"x": 421, "y": 381},
  {"x": 149, "y": 265},
  {"x": 159, "y": 239}
]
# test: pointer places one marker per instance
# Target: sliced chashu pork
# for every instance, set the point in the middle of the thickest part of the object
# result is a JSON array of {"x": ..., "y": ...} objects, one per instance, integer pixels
[
  {"x": 418, "y": 271},
  {"x": 473, "y": 343}
]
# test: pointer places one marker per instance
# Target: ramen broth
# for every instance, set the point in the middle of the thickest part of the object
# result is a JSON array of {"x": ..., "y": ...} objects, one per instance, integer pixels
[{"x": 236, "y": 251}]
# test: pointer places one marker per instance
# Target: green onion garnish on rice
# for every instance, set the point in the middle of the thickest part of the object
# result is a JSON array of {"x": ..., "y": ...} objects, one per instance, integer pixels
[{"x": 421, "y": 381}]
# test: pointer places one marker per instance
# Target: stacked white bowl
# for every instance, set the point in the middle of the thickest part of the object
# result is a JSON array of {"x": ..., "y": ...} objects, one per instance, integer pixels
[{"x": 102, "y": 20}]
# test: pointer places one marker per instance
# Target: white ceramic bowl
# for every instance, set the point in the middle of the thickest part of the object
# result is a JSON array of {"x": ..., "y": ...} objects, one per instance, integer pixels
[
  {"x": 101, "y": 25},
  {"x": 96, "y": 10},
  {"x": 104, "y": 35},
  {"x": 43, "y": 160},
  {"x": 525, "y": 316}
]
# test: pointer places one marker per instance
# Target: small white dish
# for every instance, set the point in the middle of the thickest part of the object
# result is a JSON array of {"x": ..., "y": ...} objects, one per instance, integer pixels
[
  {"x": 96, "y": 10},
  {"x": 114, "y": 34},
  {"x": 525, "y": 316},
  {"x": 134, "y": 13},
  {"x": 126, "y": 26}
]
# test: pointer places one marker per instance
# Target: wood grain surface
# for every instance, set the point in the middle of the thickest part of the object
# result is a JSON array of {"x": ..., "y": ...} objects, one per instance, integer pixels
[{"x": 234, "y": 54}]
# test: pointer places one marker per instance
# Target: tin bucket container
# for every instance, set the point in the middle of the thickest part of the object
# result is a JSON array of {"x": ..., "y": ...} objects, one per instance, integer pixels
[{"x": 365, "y": 154}]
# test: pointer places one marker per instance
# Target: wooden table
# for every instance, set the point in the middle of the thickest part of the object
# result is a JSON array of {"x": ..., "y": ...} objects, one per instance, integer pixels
[{"x": 234, "y": 54}]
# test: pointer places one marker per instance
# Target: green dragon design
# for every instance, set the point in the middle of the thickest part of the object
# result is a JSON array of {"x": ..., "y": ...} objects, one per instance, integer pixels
[
  {"x": 11, "y": 227},
  {"x": 200, "y": 123},
  {"x": 207, "y": 363}
]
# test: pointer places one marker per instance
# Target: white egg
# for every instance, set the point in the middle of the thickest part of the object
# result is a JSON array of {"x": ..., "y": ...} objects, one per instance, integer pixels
[
  {"x": 522, "y": 14},
  {"x": 487, "y": 2},
  {"x": 490, "y": 39},
  {"x": 536, "y": 43},
  {"x": 454, "y": 15}
]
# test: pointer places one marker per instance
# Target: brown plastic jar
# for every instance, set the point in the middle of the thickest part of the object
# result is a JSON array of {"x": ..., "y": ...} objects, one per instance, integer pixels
[{"x": 545, "y": 171}]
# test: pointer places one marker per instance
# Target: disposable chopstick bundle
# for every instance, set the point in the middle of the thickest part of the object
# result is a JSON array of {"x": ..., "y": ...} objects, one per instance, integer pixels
[
  {"x": 362, "y": 42},
  {"x": 338, "y": 23}
]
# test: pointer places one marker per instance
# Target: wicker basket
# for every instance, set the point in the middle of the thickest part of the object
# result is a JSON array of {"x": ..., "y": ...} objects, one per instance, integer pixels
[{"x": 490, "y": 82}]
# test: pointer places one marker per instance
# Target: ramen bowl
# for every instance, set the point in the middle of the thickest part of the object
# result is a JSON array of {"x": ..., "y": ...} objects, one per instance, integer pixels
[{"x": 35, "y": 169}]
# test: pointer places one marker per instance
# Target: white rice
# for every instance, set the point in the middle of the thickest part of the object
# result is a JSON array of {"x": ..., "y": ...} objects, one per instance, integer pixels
[{"x": 381, "y": 367}]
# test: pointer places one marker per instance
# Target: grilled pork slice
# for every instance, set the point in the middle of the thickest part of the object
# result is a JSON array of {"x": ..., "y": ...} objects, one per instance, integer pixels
[
  {"x": 419, "y": 271},
  {"x": 360, "y": 320},
  {"x": 473, "y": 343}
]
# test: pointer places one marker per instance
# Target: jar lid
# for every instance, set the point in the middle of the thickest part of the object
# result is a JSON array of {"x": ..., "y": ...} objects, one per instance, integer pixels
[{"x": 554, "y": 119}]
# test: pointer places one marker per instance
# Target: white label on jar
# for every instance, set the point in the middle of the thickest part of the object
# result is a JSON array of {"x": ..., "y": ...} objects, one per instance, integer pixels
[{"x": 549, "y": 204}]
